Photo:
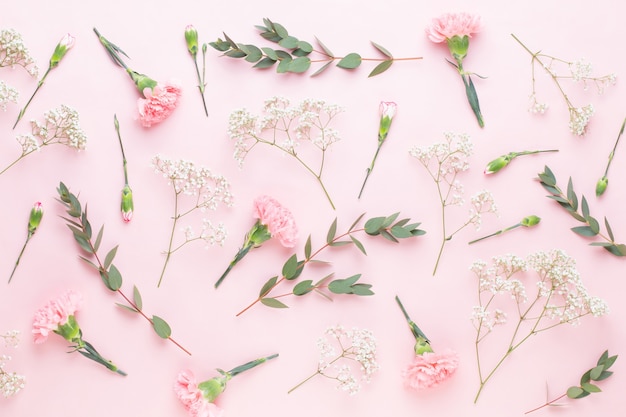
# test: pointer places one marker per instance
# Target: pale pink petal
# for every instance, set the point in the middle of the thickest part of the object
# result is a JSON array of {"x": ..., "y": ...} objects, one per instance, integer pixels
[
  {"x": 450, "y": 24},
  {"x": 186, "y": 389},
  {"x": 430, "y": 369},
  {"x": 55, "y": 313},
  {"x": 158, "y": 103},
  {"x": 278, "y": 219}
]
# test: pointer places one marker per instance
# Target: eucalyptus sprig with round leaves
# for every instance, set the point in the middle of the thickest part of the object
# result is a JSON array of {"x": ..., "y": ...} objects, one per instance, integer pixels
[
  {"x": 385, "y": 227},
  {"x": 82, "y": 230},
  {"x": 295, "y": 54},
  {"x": 569, "y": 201},
  {"x": 599, "y": 372}
]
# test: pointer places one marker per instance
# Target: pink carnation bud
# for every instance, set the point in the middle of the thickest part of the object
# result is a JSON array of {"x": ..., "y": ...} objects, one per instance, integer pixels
[
  {"x": 187, "y": 391},
  {"x": 54, "y": 314},
  {"x": 430, "y": 369},
  {"x": 158, "y": 103},
  {"x": 388, "y": 109},
  {"x": 278, "y": 219}
]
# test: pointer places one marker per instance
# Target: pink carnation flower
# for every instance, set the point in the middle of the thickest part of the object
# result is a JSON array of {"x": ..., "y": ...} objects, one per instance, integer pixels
[
  {"x": 448, "y": 25},
  {"x": 278, "y": 219},
  {"x": 158, "y": 103},
  {"x": 430, "y": 369},
  {"x": 186, "y": 389},
  {"x": 54, "y": 314}
]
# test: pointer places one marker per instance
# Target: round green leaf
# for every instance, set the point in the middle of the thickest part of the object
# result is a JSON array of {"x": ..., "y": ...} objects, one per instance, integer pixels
[
  {"x": 350, "y": 61},
  {"x": 299, "y": 65},
  {"x": 161, "y": 327}
]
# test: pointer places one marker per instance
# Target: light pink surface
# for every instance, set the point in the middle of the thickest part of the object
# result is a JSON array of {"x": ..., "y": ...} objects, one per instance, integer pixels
[{"x": 430, "y": 100}]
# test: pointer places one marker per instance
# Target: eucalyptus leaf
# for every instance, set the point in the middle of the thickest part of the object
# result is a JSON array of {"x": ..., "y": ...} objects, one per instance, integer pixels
[
  {"x": 280, "y": 30},
  {"x": 283, "y": 66},
  {"x": 161, "y": 327},
  {"x": 137, "y": 298},
  {"x": 584, "y": 231},
  {"x": 89, "y": 262},
  {"x": 299, "y": 65},
  {"x": 332, "y": 230},
  {"x": 290, "y": 267},
  {"x": 609, "y": 231},
  {"x": 96, "y": 245},
  {"x": 321, "y": 69},
  {"x": 382, "y": 49},
  {"x": 325, "y": 49},
  {"x": 575, "y": 392},
  {"x": 595, "y": 372},
  {"x": 267, "y": 287},
  {"x": 254, "y": 54},
  {"x": 373, "y": 225},
  {"x": 289, "y": 42},
  {"x": 115, "y": 278},
  {"x": 591, "y": 388},
  {"x": 109, "y": 257},
  {"x": 305, "y": 46},
  {"x": 303, "y": 287},
  {"x": 380, "y": 68},
  {"x": 129, "y": 308},
  {"x": 264, "y": 63},
  {"x": 274, "y": 303},
  {"x": 358, "y": 244},
  {"x": 350, "y": 61},
  {"x": 235, "y": 53},
  {"x": 307, "y": 248}
]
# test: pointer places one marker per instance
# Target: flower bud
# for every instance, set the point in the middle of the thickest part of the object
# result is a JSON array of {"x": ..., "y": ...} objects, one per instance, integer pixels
[
  {"x": 36, "y": 213},
  {"x": 601, "y": 186},
  {"x": 497, "y": 164},
  {"x": 191, "y": 37},
  {"x": 530, "y": 221},
  {"x": 127, "y": 205},
  {"x": 64, "y": 45},
  {"x": 387, "y": 112}
]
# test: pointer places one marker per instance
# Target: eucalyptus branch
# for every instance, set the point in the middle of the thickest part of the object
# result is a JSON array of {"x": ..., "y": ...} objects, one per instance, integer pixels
[
  {"x": 81, "y": 228},
  {"x": 294, "y": 57},
  {"x": 569, "y": 201},
  {"x": 386, "y": 227}
]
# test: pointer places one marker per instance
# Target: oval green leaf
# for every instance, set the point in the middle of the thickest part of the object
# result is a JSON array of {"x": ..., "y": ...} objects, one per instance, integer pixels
[
  {"x": 161, "y": 327},
  {"x": 273, "y": 303},
  {"x": 350, "y": 61}
]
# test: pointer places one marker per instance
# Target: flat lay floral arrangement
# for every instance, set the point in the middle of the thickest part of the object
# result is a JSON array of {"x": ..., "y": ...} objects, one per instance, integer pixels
[{"x": 285, "y": 270}]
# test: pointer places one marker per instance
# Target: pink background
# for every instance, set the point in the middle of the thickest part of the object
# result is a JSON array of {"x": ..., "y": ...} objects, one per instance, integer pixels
[{"x": 430, "y": 101}]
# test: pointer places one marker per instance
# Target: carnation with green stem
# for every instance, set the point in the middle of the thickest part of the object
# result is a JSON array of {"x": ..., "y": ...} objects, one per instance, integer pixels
[
  {"x": 58, "y": 316},
  {"x": 65, "y": 44},
  {"x": 159, "y": 99},
  {"x": 287, "y": 127},
  {"x": 578, "y": 71},
  {"x": 444, "y": 161},
  {"x": 428, "y": 368},
  {"x": 36, "y": 213},
  {"x": 557, "y": 297},
  {"x": 204, "y": 190},
  {"x": 528, "y": 221},
  {"x": 599, "y": 372},
  {"x": 387, "y": 113},
  {"x": 504, "y": 160},
  {"x": 61, "y": 126},
  {"x": 346, "y": 356},
  {"x": 456, "y": 29},
  {"x": 199, "y": 398},
  {"x": 604, "y": 181},
  {"x": 274, "y": 220},
  {"x": 127, "y": 206},
  {"x": 191, "y": 38}
]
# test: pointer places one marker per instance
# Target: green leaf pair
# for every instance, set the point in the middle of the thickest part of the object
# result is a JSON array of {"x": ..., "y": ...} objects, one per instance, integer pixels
[{"x": 597, "y": 373}]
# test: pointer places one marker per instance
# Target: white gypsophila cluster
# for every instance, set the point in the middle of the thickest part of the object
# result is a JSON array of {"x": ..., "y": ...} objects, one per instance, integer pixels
[
  {"x": 444, "y": 160},
  {"x": 356, "y": 345},
  {"x": 581, "y": 71},
  {"x": 60, "y": 126},
  {"x": 212, "y": 234},
  {"x": 7, "y": 94},
  {"x": 13, "y": 52},
  {"x": 535, "y": 106},
  {"x": 289, "y": 126},
  {"x": 559, "y": 290},
  {"x": 208, "y": 189},
  {"x": 482, "y": 203},
  {"x": 579, "y": 119},
  {"x": 10, "y": 382}
]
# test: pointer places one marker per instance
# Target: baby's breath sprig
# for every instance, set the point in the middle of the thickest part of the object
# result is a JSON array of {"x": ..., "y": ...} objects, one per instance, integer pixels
[
  {"x": 307, "y": 122},
  {"x": 604, "y": 181},
  {"x": 599, "y": 372},
  {"x": 7, "y": 94},
  {"x": 386, "y": 227},
  {"x": 560, "y": 298},
  {"x": 205, "y": 189},
  {"x": 81, "y": 228},
  {"x": 580, "y": 71},
  {"x": 191, "y": 38},
  {"x": 61, "y": 126},
  {"x": 13, "y": 52},
  {"x": 294, "y": 55},
  {"x": 444, "y": 161},
  {"x": 569, "y": 201},
  {"x": 10, "y": 382},
  {"x": 356, "y": 345}
]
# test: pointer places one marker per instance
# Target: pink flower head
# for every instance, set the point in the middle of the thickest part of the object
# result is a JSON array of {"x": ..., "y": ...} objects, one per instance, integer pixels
[
  {"x": 54, "y": 314},
  {"x": 186, "y": 389},
  {"x": 388, "y": 109},
  {"x": 449, "y": 25},
  {"x": 278, "y": 219},
  {"x": 430, "y": 369},
  {"x": 158, "y": 103}
]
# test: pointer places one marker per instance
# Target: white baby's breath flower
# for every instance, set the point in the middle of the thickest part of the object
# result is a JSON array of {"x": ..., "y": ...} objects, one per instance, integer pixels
[
  {"x": 13, "y": 52},
  {"x": 579, "y": 119},
  {"x": 7, "y": 94}
]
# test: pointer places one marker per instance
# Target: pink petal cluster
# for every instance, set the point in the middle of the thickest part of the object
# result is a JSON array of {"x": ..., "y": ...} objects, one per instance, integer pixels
[
  {"x": 278, "y": 219},
  {"x": 450, "y": 24},
  {"x": 158, "y": 103},
  {"x": 186, "y": 389},
  {"x": 55, "y": 313},
  {"x": 430, "y": 369}
]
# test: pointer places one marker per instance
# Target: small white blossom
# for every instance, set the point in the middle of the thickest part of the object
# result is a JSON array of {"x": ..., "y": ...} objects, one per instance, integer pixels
[
  {"x": 13, "y": 52},
  {"x": 579, "y": 119},
  {"x": 10, "y": 382},
  {"x": 7, "y": 94}
]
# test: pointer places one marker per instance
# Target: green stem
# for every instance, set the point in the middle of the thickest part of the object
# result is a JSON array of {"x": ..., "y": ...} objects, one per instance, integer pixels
[
  {"x": 612, "y": 154},
  {"x": 39, "y": 84},
  {"x": 119, "y": 137},
  {"x": 249, "y": 365},
  {"x": 496, "y": 233},
  {"x": 547, "y": 404},
  {"x": 371, "y": 167},
  {"x": 240, "y": 254},
  {"x": 169, "y": 248},
  {"x": 20, "y": 256},
  {"x": 303, "y": 382},
  {"x": 201, "y": 85}
]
